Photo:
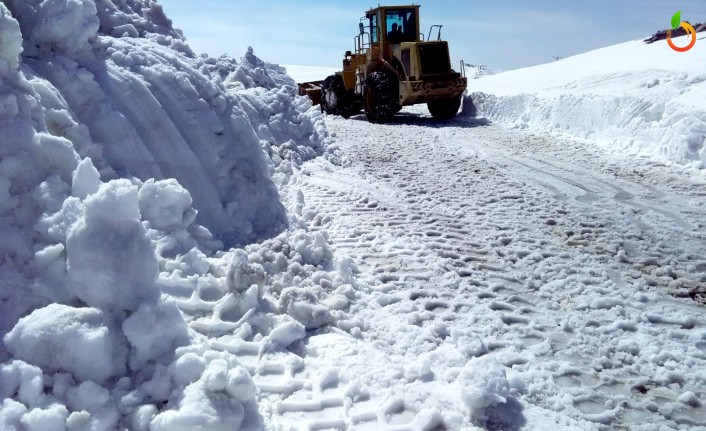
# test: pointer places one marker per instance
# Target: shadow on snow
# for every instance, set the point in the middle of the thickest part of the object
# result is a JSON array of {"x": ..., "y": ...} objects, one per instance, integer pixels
[{"x": 426, "y": 120}]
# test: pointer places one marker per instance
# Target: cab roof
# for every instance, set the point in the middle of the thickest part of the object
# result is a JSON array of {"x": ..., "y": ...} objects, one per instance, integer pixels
[{"x": 373, "y": 11}]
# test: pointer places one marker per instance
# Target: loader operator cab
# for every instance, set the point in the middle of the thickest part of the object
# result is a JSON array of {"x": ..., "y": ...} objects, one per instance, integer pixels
[{"x": 393, "y": 25}]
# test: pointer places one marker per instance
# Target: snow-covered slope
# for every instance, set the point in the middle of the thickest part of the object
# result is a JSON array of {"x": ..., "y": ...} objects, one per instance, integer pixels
[
  {"x": 632, "y": 98},
  {"x": 126, "y": 164},
  {"x": 149, "y": 111},
  {"x": 475, "y": 72}
]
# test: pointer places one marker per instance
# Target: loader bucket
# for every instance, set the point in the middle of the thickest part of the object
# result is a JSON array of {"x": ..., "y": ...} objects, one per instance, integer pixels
[{"x": 311, "y": 89}]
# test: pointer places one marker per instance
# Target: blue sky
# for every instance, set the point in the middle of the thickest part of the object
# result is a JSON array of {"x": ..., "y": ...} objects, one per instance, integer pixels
[{"x": 505, "y": 34}]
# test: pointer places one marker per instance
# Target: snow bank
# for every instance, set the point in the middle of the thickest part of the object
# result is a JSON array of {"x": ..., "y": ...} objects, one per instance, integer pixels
[
  {"x": 126, "y": 165},
  {"x": 475, "y": 72},
  {"x": 147, "y": 108},
  {"x": 632, "y": 98}
]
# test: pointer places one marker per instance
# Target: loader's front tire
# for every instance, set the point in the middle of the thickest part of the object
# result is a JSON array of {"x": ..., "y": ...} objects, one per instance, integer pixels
[
  {"x": 445, "y": 108},
  {"x": 380, "y": 97},
  {"x": 335, "y": 99}
]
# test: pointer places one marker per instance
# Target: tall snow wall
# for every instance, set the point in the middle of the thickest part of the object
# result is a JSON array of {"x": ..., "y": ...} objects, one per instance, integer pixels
[{"x": 125, "y": 90}]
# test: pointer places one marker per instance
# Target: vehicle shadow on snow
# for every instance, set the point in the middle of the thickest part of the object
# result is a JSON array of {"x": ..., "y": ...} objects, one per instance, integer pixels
[
  {"x": 503, "y": 417},
  {"x": 426, "y": 120},
  {"x": 467, "y": 117}
]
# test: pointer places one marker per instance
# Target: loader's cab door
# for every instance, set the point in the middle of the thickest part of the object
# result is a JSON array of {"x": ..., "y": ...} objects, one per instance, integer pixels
[{"x": 374, "y": 28}]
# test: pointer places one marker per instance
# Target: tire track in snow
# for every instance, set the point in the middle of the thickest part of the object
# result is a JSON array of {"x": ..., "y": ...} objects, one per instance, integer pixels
[
  {"x": 449, "y": 241},
  {"x": 635, "y": 198},
  {"x": 591, "y": 188}
]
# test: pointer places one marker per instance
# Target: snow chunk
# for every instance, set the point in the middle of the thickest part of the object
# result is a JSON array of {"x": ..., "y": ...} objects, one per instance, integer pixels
[
  {"x": 111, "y": 262},
  {"x": 164, "y": 203},
  {"x": 143, "y": 416},
  {"x": 56, "y": 154},
  {"x": 483, "y": 384},
  {"x": 154, "y": 331},
  {"x": 221, "y": 399},
  {"x": 313, "y": 248},
  {"x": 10, "y": 414},
  {"x": 11, "y": 38},
  {"x": 65, "y": 26},
  {"x": 82, "y": 341},
  {"x": 187, "y": 369},
  {"x": 139, "y": 19},
  {"x": 50, "y": 419},
  {"x": 303, "y": 306},
  {"x": 200, "y": 409},
  {"x": 214, "y": 378},
  {"x": 240, "y": 386},
  {"x": 9, "y": 106},
  {"x": 468, "y": 343},
  {"x": 87, "y": 396},
  {"x": 242, "y": 274},
  {"x": 419, "y": 370},
  {"x": 24, "y": 379},
  {"x": 115, "y": 201},
  {"x": 285, "y": 334},
  {"x": 86, "y": 179}
]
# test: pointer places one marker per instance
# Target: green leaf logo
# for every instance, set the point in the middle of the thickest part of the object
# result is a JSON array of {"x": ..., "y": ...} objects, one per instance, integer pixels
[{"x": 676, "y": 20}]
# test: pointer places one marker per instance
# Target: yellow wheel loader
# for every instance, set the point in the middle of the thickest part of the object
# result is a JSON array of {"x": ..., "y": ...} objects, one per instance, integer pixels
[{"x": 393, "y": 65}]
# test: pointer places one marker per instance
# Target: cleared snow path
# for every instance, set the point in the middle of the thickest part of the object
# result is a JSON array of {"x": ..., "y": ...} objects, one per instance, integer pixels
[{"x": 513, "y": 282}]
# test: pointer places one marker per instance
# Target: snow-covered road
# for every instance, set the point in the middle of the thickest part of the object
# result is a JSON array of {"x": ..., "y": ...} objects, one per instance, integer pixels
[
  {"x": 504, "y": 266},
  {"x": 187, "y": 244}
]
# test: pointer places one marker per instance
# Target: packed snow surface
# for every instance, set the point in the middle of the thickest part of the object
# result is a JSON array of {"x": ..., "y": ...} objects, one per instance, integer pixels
[{"x": 189, "y": 245}]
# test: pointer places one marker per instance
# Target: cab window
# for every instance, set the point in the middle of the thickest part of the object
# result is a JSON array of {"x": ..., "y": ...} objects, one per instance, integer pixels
[{"x": 401, "y": 25}]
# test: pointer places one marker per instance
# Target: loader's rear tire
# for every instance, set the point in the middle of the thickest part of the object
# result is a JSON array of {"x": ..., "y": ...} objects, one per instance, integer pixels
[
  {"x": 335, "y": 99},
  {"x": 445, "y": 108},
  {"x": 380, "y": 97}
]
